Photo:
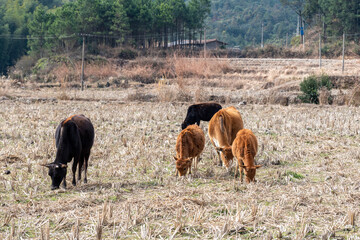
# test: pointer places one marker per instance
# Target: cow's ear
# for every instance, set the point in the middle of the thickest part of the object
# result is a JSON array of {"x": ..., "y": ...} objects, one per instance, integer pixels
[
  {"x": 48, "y": 165},
  {"x": 175, "y": 158},
  {"x": 63, "y": 166},
  {"x": 255, "y": 167}
]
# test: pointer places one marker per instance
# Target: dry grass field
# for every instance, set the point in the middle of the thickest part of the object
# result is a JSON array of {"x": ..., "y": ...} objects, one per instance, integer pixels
[{"x": 307, "y": 188}]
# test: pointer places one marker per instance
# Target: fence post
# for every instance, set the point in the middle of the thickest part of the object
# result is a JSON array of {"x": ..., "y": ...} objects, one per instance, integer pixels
[
  {"x": 343, "y": 54},
  {"x": 204, "y": 42},
  {"x": 82, "y": 63},
  {"x": 319, "y": 50},
  {"x": 262, "y": 35}
]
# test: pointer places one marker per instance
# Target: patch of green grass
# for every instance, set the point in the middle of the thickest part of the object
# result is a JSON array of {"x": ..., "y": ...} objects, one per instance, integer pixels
[
  {"x": 29, "y": 232},
  {"x": 294, "y": 175},
  {"x": 196, "y": 183},
  {"x": 324, "y": 154},
  {"x": 150, "y": 183},
  {"x": 113, "y": 198},
  {"x": 221, "y": 212},
  {"x": 53, "y": 198}
]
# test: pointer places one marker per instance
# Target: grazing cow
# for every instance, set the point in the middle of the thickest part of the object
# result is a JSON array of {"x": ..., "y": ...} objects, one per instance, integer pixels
[
  {"x": 244, "y": 148},
  {"x": 201, "y": 111},
  {"x": 189, "y": 145},
  {"x": 223, "y": 127},
  {"x": 74, "y": 138}
]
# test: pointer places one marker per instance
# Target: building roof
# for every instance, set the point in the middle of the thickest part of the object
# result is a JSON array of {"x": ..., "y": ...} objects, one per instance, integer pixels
[{"x": 196, "y": 42}]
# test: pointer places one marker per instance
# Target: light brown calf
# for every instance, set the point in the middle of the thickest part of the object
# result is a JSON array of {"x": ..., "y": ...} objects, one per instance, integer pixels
[
  {"x": 189, "y": 145},
  {"x": 244, "y": 148},
  {"x": 223, "y": 127}
]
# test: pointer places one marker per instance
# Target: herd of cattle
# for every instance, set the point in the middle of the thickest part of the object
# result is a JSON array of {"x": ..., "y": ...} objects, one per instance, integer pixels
[{"x": 75, "y": 136}]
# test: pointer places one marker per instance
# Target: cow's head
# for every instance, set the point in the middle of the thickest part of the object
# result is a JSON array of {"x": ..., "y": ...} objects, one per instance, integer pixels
[
  {"x": 57, "y": 172},
  {"x": 183, "y": 126},
  {"x": 182, "y": 165},
  {"x": 226, "y": 156},
  {"x": 250, "y": 173}
]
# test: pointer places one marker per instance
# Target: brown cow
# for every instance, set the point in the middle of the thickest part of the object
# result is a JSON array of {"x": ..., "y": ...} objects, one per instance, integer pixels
[
  {"x": 223, "y": 127},
  {"x": 189, "y": 145},
  {"x": 244, "y": 148}
]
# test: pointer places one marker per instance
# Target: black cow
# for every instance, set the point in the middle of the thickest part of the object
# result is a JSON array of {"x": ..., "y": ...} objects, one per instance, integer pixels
[
  {"x": 201, "y": 111},
  {"x": 74, "y": 138}
]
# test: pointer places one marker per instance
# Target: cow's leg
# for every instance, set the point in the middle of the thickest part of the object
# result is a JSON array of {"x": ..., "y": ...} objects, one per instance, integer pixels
[
  {"x": 81, "y": 163},
  {"x": 196, "y": 160},
  {"x": 220, "y": 160},
  {"x": 236, "y": 169},
  {"x": 64, "y": 182},
  {"x": 74, "y": 166},
  {"x": 218, "y": 153},
  {"x": 241, "y": 170},
  {"x": 86, "y": 155},
  {"x": 190, "y": 165}
]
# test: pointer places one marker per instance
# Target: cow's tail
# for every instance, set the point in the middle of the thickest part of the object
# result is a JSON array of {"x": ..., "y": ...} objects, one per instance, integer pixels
[
  {"x": 182, "y": 139},
  {"x": 222, "y": 128},
  {"x": 247, "y": 151}
]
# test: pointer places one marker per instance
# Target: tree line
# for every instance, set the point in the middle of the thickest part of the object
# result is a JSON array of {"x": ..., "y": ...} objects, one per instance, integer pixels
[
  {"x": 239, "y": 22},
  {"x": 43, "y": 27},
  {"x": 334, "y": 17}
]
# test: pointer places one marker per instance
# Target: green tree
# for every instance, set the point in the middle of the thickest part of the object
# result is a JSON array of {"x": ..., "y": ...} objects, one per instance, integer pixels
[
  {"x": 4, "y": 41},
  {"x": 163, "y": 19},
  {"x": 38, "y": 29},
  {"x": 118, "y": 20},
  {"x": 297, "y": 6},
  {"x": 198, "y": 10},
  {"x": 337, "y": 16}
]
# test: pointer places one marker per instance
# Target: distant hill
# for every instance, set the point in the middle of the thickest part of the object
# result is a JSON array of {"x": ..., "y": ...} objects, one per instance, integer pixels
[{"x": 238, "y": 22}]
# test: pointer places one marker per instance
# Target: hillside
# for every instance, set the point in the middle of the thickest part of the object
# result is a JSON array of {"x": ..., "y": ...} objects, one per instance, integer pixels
[{"x": 238, "y": 22}]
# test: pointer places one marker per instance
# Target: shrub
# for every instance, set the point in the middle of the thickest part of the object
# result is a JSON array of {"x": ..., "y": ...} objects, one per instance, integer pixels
[
  {"x": 295, "y": 41},
  {"x": 310, "y": 88},
  {"x": 127, "y": 53},
  {"x": 23, "y": 67}
]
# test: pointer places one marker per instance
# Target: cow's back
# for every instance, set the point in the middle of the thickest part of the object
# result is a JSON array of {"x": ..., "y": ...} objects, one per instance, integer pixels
[
  {"x": 207, "y": 110},
  {"x": 224, "y": 125},
  {"x": 86, "y": 130},
  {"x": 236, "y": 122}
]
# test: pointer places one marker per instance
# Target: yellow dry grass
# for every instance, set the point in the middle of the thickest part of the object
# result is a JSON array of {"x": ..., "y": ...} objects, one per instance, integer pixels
[{"x": 306, "y": 189}]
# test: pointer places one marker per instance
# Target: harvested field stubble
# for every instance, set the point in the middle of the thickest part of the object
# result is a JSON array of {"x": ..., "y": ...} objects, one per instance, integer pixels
[{"x": 308, "y": 186}]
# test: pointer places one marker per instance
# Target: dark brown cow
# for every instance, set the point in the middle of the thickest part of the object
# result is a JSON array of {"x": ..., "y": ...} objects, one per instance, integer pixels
[
  {"x": 74, "y": 138},
  {"x": 201, "y": 111}
]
